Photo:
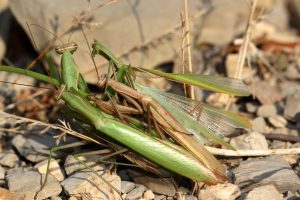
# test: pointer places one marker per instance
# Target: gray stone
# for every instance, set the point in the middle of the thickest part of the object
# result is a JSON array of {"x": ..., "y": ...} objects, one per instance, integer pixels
[
  {"x": 136, "y": 193},
  {"x": 73, "y": 165},
  {"x": 36, "y": 148},
  {"x": 267, "y": 110},
  {"x": 8, "y": 159},
  {"x": 27, "y": 184},
  {"x": 225, "y": 191},
  {"x": 90, "y": 184},
  {"x": 160, "y": 197},
  {"x": 266, "y": 192},
  {"x": 289, "y": 88},
  {"x": 159, "y": 43},
  {"x": 277, "y": 144},
  {"x": 259, "y": 125},
  {"x": 16, "y": 170},
  {"x": 2, "y": 172},
  {"x": 127, "y": 186},
  {"x": 253, "y": 140},
  {"x": 264, "y": 171},
  {"x": 265, "y": 92},
  {"x": 277, "y": 121},
  {"x": 292, "y": 108},
  {"x": 158, "y": 185}
]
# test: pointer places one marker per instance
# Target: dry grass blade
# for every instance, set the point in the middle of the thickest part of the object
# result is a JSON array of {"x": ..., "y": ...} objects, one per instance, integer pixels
[
  {"x": 243, "y": 51},
  {"x": 32, "y": 122},
  {"x": 247, "y": 153}
]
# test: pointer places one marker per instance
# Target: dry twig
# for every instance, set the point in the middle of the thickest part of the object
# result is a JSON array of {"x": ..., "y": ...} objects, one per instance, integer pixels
[
  {"x": 247, "y": 153},
  {"x": 5, "y": 116},
  {"x": 243, "y": 51}
]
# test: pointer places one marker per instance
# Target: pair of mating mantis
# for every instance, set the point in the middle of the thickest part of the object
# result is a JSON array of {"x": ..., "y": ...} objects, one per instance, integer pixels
[{"x": 181, "y": 125}]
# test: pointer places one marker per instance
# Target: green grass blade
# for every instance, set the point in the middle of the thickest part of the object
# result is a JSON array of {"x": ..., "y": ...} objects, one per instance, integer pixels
[{"x": 215, "y": 83}]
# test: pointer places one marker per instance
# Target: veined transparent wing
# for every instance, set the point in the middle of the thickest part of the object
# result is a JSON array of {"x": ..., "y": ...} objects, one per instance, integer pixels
[
  {"x": 225, "y": 85},
  {"x": 204, "y": 121}
]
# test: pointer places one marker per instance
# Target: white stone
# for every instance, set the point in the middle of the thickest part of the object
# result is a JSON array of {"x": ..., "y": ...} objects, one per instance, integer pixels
[
  {"x": 277, "y": 121},
  {"x": 148, "y": 195},
  {"x": 267, "y": 110}
]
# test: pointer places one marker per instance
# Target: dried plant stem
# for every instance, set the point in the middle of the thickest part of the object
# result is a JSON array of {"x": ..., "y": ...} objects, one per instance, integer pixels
[
  {"x": 188, "y": 44},
  {"x": 64, "y": 129},
  {"x": 243, "y": 51},
  {"x": 246, "y": 153}
]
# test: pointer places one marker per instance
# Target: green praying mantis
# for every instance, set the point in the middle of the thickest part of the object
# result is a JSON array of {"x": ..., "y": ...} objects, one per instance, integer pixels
[{"x": 181, "y": 125}]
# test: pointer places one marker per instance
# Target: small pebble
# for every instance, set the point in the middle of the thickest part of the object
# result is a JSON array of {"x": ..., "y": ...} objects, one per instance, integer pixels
[
  {"x": 54, "y": 169},
  {"x": 136, "y": 193},
  {"x": 267, "y": 110},
  {"x": 292, "y": 108},
  {"x": 253, "y": 140},
  {"x": 157, "y": 185},
  {"x": 72, "y": 165},
  {"x": 190, "y": 197},
  {"x": 277, "y": 144},
  {"x": 251, "y": 107},
  {"x": 2, "y": 172},
  {"x": 27, "y": 184},
  {"x": 8, "y": 159},
  {"x": 274, "y": 170},
  {"x": 127, "y": 186},
  {"x": 160, "y": 197},
  {"x": 277, "y": 121},
  {"x": 225, "y": 191},
  {"x": 266, "y": 192},
  {"x": 259, "y": 125},
  {"x": 88, "y": 183},
  {"x": 55, "y": 198},
  {"x": 149, "y": 195}
]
